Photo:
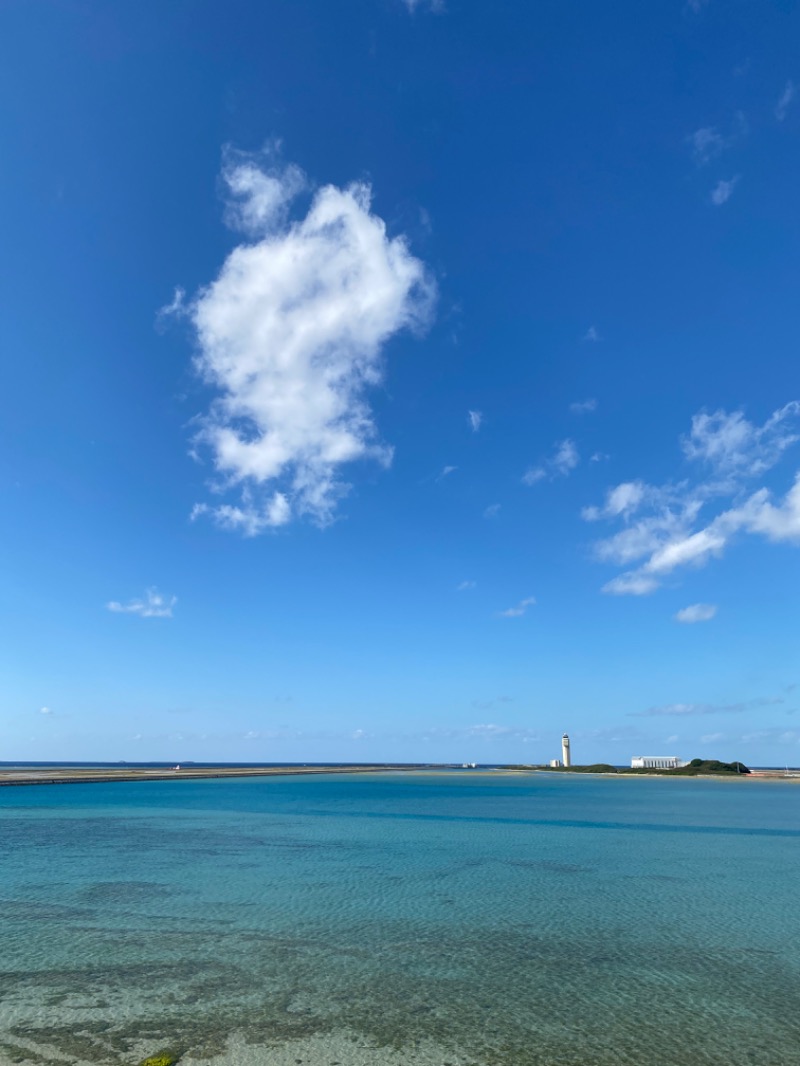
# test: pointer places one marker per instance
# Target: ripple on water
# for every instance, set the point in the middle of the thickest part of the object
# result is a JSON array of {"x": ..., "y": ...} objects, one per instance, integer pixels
[{"x": 517, "y": 942}]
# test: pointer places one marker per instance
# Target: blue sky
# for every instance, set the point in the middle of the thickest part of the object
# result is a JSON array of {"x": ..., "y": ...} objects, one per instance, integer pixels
[{"x": 405, "y": 381}]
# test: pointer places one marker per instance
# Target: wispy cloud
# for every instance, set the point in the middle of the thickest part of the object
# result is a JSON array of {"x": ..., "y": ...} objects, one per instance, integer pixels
[
  {"x": 661, "y": 524},
  {"x": 174, "y": 309},
  {"x": 485, "y": 705},
  {"x": 291, "y": 334},
  {"x": 733, "y": 447},
  {"x": 446, "y": 472},
  {"x": 706, "y": 143},
  {"x": 566, "y": 457},
  {"x": 723, "y": 191},
  {"x": 492, "y": 511},
  {"x": 465, "y": 586},
  {"x": 475, "y": 418},
  {"x": 520, "y": 609},
  {"x": 582, "y": 407},
  {"x": 696, "y": 612},
  {"x": 785, "y": 100},
  {"x": 785, "y": 736},
  {"x": 623, "y": 499},
  {"x": 45, "y": 711},
  {"x": 561, "y": 463},
  {"x": 152, "y": 605},
  {"x": 633, "y": 584},
  {"x": 435, "y": 6},
  {"x": 534, "y": 475},
  {"x": 694, "y": 710},
  {"x": 591, "y": 334}
]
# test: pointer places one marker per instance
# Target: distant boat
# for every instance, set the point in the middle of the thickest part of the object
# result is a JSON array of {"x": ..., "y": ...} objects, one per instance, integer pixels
[{"x": 468, "y": 765}]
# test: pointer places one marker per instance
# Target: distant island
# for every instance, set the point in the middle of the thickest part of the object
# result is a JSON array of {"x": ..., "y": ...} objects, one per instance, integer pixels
[{"x": 696, "y": 768}]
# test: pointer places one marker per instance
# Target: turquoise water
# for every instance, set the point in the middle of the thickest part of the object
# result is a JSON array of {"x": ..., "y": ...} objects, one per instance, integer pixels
[{"x": 479, "y": 918}]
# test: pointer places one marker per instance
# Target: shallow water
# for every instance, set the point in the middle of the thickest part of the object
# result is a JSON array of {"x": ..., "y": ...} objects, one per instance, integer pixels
[{"x": 551, "y": 920}]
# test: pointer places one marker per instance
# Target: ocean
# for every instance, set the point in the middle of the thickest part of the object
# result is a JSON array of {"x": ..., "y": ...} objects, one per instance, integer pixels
[{"x": 431, "y": 919}]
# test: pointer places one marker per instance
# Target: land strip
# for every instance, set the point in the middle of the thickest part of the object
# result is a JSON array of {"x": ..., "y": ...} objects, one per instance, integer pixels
[{"x": 49, "y": 775}]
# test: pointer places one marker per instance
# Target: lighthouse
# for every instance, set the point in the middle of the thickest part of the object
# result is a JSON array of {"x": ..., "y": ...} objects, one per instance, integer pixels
[{"x": 565, "y": 757}]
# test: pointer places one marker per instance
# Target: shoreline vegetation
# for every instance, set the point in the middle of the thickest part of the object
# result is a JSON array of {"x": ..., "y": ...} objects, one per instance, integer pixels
[
  {"x": 698, "y": 768},
  {"x": 72, "y": 775}
]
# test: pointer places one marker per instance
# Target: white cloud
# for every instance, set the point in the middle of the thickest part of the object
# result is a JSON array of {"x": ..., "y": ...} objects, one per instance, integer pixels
[
  {"x": 786, "y": 98},
  {"x": 712, "y": 738},
  {"x": 706, "y": 143},
  {"x": 757, "y": 514},
  {"x": 248, "y": 519},
  {"x": 694, "y": 710},
  {"x": 152, "y": 605},
  {"x": 536, "y": 473},
  {"x": 475, "y": 418},
  {"x": 291, "y": 334},
  {"x": 692, "y": 549},
  {"x": 45, "y": 710},
  {"x": 520, "y": 609},
  {"x": 564, "y": 459},
  {"x": 492, "y": 511},
  {"x": 661, "y": 524},
  {"x": 591, "y": 334},
  {"x": 723, "y": 191},
  {"x": 446, "y": 471},
  {"x": 621, "y": 500},
  {"x": 673, "y": 739},
  {"x": 582, "y": 407},
  {"x": 436, "y": 6},
  {"x": 259, "y": 190},
  {"x": 696, "y": 612},
  {"x": 733, "y": 446},
  {"x": 464, "y": 586},
  {"x": 174, "y": 309},
  {"x": 671, "y": 517},
  {"x": 631, "y": 584},
  {"x": 776, "y": 523}
]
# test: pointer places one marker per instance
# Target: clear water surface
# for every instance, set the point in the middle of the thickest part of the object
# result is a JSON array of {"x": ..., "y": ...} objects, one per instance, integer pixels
[{"x": 501, "y": 920}]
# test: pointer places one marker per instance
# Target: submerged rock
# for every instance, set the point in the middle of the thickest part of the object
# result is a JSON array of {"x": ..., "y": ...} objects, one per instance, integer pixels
[{"x": 162, "y": 1058}]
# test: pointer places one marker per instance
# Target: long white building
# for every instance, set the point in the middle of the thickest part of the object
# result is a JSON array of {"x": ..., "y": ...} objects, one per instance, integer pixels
[{"x": 656, "y": 762}]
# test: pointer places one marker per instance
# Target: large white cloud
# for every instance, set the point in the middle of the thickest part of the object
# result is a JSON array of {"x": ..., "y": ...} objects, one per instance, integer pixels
[{"x": 291, "y": 335}]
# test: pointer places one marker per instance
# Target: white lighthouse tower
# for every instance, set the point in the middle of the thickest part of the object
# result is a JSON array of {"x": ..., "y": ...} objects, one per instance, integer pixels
[{"x": 565, "y": 756}]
